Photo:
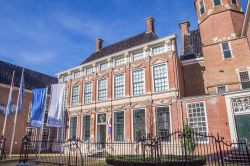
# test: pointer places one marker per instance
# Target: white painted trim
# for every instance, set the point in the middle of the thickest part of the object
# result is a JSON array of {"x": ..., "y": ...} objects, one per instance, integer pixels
[
  {"x": 226, "y": 89},
  {"x": 85, "y": 114},
  {"x": 72, "y": 116},
  {"x": 97, "y": 89},
  {"x": 96, "y": 124},
  {"x": 205, "y": 111},
  {"x": 131, "y": 83},
  {"x": 113, "y": 86},
  {"x": 192, "y": 61},
  {"x": 230, "y": 48},
  {"x": 170, "y": 120},
  {"x": 90, "y": 82},
  {"x": 230, "y": 113},
  {"x": 152, "y": 77},
  {"x": 113, "y": 127},
  {"x": 154, "y": 42},
  {"x": 132, "y": 116},
  {"x": 76, "y": 85}
]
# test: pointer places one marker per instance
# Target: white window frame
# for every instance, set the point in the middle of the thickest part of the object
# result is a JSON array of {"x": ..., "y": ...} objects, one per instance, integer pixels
[
  {"x": 96, "y": 125},
  {"x": 71, "y": 98},
  {"x": 222, "y": 51},
  {"x": 91, "y": 71},
  {"x": 152, "y": 77},
  {"x": 124, "y": 79},
  {"x": 170, "y": 120},
  {"x": 113, "y": 125},
  {"x": 238, "y": 73},
  {"x": 132, "y": 85},
  {"x": 226, "y": 90},
  {"x": 136, "y": 52},
  {"x": 85, "y": 114},
  {"x": 47, "y": 141},
  {"x": 100, "y": 66},
  {"x": 119, "y": 58},
  {"x": 132, "y": 126},
  {"x": 72, "y": 116},
  {"x": 217, "y": 5},
  {"x": 91, "y": 96},
  {"x": 205, "y": 111},
  {"x": 78, "y": 74},
  {"x": 158, "y": 45},
  {"x": 200, "y": 7},
  {"x": 97, "y": 89}
]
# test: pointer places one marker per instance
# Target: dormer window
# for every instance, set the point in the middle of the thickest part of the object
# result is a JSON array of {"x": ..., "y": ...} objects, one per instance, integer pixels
[
  {"x": 119, "y": 61},
  {"x": 158, "y": 50},
  {"x": 137, "y": 56},
  {"x": 202, "y": 7},
  {"x": 103, "y": 66},
  {"x": 217, "y": 2},
  {"x": 77, "y": 74},
  {"x": 226, "y": 51},
  {"x": 89, "y": 71},
  {"x": 234, "y": 2}
]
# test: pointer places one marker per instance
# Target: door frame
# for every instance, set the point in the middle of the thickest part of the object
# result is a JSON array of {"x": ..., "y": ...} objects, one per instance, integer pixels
[
  {"x": 231, "y": 114},
  {"x": 101, "y": 124}
]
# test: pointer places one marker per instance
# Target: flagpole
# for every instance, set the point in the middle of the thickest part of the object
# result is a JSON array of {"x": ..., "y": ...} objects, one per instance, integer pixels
[
  {"x": 14, "y": 126},
  {"x": 41, "y": 129},
  {"x": 9, "y": 101}
]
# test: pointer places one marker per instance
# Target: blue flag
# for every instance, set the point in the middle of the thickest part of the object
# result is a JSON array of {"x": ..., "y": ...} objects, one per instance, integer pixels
[{"x": 37, "y": 111}]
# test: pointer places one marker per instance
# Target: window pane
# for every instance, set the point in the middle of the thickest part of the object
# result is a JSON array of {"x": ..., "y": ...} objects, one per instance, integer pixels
[
  {"x": 89, "y": 71},
  {"x": 103, "y": 66},
  {"x": 87, "y": 93},
  {"x": 73, "y": 126},
  {"x": 162, "y": 123},
  {"x": 86, "y": 127},
  {"x": 158, "y": 50},
  {"x": 234, "y": 2},
  {"x": 119, "y": 85},
  {"x": 138, "y": 56},
  {"x": 77, "y": 74},
  {"x": 75, "y": 94},
  {"x": 160, "y": 78},
  {"x": 202, "y": 8},
  {"x": 138, "y": 82},
  {"x": 119, "y": 61},
  {"x": 217, "y": 2},
  {"x": 226, "y": 50},
  {"x": 221, "y": 89},
  {"x": 101, "y": 118},
  {"x": 102, "y": 89},
  {"x": 139, "y": 123},
  {"x": 197, "y": 119},
  {"x": 119, "y": 126}
]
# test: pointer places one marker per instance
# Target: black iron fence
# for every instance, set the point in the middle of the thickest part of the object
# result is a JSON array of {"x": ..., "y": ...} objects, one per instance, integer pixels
[
  {"x": 178, "y": 148},
  {"x": 2, "y": 147}
]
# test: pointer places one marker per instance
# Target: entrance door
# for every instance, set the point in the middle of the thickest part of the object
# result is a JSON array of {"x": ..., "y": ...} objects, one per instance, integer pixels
[
  {"x": 243, "y": 126},
  {"x": 101, "y": 129}
]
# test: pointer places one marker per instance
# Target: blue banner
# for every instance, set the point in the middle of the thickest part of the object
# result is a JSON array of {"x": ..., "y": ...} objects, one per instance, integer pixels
[{"x": 37, "y": 111}]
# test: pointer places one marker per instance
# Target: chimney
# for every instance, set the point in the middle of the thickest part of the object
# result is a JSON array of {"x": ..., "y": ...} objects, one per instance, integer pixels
[
  {"x": 184, "y": 26},
  {"x": 150, "y": 24},
  {"x": 98, "y": 44}
]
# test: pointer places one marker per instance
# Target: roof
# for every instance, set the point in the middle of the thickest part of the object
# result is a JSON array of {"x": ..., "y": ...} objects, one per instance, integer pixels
[
  {"x": 192, "y": 45},
  {"x": 32, "y": 79},
  {"x": 122, "y": 45}
]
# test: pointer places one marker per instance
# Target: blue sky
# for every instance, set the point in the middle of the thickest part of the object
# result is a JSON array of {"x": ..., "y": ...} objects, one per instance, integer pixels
[{"x": 50, "y": 36}]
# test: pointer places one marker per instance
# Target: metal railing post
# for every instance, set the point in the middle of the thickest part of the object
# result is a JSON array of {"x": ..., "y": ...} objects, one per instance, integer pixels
[{"x": 219, "y": 142}]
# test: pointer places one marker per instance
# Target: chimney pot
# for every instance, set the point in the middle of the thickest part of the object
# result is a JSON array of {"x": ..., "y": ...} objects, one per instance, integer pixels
[
  {"x": 150, "y": 24},
  {"x": 99, "y": 42}
]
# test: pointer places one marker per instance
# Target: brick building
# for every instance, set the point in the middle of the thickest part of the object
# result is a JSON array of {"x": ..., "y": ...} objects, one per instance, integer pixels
[
  {"x": 140, "y": 85},
  {"x": 32, "y": 80}
]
